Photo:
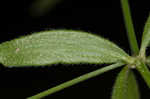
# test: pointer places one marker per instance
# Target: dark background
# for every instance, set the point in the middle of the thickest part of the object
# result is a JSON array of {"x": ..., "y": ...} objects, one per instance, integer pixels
[{"x": 102, "y": 17}]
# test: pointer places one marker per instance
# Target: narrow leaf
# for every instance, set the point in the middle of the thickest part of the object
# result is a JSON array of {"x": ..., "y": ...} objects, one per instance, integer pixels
[
  {"x": 133, "y": 90},
  {"x": 75, "y": 81},
  {"x": 144, "y": 71},
  {"x": 146, "y": 36},
  {"x": 125, "y": 86},
  {"x": 60, "y": 46}
]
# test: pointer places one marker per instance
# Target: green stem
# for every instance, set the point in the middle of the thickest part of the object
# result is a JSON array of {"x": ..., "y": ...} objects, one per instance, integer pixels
[
  {"x": 75, "y": 81},
  {"x": 129, "y": 27},
  {"x": 144, "y": 71}
]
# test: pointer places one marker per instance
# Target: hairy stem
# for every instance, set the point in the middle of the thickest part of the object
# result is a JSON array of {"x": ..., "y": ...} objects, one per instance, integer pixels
[
  {"x": 129, "y": 27},
  {"x": 75, "y": 81}
]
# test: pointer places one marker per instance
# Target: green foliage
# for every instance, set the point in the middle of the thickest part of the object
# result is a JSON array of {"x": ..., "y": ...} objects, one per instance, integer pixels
[
  {"x": 148, "y": 60},
  {"x": 133, "y": 90},
  {"x": 129, "y": 27},
  {"x": 74, "y": 47},
  {"x": 75, "y": 81},
  {"x": 59, "y": 46},
  {"x": 125, "y": 86},
  {"x": 145, "y": 37},
  {"x": 144, "y": 71}
]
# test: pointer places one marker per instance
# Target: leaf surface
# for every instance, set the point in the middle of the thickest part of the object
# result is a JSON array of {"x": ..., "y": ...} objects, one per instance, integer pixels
[
  {"x": 146, "y": 36},
  {"x": 59, "y": 46},
  {"x": 125, "y": 86},
  {"x": 144, "y": 71}
]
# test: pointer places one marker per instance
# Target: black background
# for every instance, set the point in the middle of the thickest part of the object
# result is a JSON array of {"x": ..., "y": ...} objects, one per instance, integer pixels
[{"x": 102, "y": 17}]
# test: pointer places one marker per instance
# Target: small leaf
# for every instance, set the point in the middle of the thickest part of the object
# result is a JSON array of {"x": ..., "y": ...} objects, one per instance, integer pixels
[
  {"x": 133, "y": 90},
  {"x": 144, "y": 71},
  {"x": 146, "y": 36},
  {"x": 148, "y": 61},
  {"x": 125, "y": 86},
  {"x": 75, "y": 81},
  {"x": 59, "y": 46}
]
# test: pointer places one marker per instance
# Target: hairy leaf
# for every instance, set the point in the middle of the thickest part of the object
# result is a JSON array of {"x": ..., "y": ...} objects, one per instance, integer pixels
[
  {"x": 59, "y": 46},
  {"x": 146, "y": 36},
  {"x": 126, "y": 86}
]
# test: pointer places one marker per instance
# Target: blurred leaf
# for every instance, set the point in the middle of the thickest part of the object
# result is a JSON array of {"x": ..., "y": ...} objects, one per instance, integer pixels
[
  {"x": 59, "y": 46},
  {"x": 42, "y": 7},
  {"x": 144, "y": 71},
  {"x": 125, "y": 85},
  {"x": 148, "y": 61},
  {"x": 146, "y": 36}
]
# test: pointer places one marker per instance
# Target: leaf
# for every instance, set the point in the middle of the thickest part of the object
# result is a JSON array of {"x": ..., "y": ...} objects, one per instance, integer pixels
[
  {"x": 144, "y": 71},
  {"x": 59, "y": 46},
  {"x": 125, "y": 86},
  {"x": 148, "y": 61},
  {"x": 146, "y": 36},
  {"x": 133, "y": 90},
  {"x": 75, "y": 81}
]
